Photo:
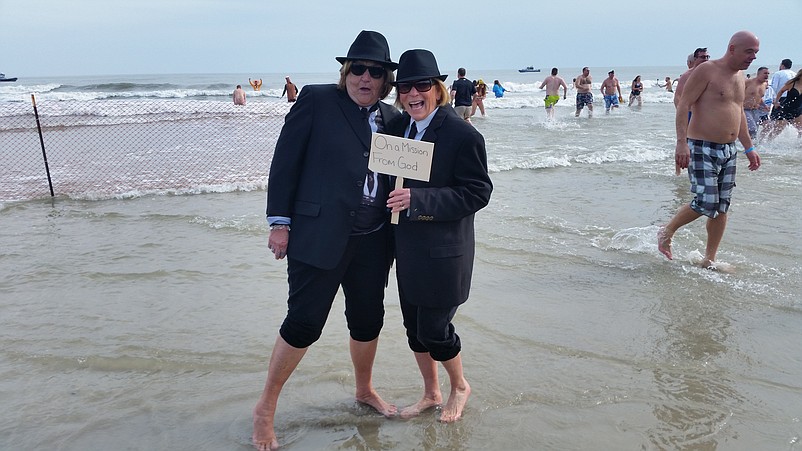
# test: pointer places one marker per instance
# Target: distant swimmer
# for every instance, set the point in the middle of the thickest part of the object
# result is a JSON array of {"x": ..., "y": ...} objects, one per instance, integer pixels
[
  {"x": 706, "y": 145},
  {"x": 790, "y": 111},
  {"x": 479, "y": 98},
  {"x": 498, "y": 90},
  {"x": 239, "y": 96},
  {"x": 552, "y": 84},
  {"x": 290, "y": 90},
  {"x": 462, "y": 91},
  {"x": 778, "y": 80},
  {"x": 756, "y": 110},
  {"x": 668, "y": 84},
  {"x": 256, "y": 84},
  {"x": 609, "y": 88},
  {"x": 637, "y": 88},
  {"x": 583, "y": 85}
]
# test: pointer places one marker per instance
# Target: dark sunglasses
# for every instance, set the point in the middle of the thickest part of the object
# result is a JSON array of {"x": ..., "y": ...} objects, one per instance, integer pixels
[
  {"x": 420, "y": 86},
  {"x": 375, "y": 71}
]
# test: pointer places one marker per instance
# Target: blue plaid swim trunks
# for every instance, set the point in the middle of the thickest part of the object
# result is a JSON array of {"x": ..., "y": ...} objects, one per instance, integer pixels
[{"x": 712, "y": 174}]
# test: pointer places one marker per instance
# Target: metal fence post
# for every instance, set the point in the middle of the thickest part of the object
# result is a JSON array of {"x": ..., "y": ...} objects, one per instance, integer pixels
[{"x": 42, "y": 142}]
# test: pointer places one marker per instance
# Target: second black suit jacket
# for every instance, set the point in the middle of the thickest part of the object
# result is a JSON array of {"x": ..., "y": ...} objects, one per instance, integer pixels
[
  {"x": 435, "y": 237},
  {"x": 318, "y": 171}
]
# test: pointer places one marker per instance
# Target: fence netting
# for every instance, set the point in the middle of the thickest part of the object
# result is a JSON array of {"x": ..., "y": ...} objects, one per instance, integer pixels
[{"x": 117, "y": 148}]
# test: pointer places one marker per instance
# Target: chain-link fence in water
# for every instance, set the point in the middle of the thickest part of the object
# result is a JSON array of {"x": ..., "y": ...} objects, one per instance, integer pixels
[{"x": 129, "y": 147}]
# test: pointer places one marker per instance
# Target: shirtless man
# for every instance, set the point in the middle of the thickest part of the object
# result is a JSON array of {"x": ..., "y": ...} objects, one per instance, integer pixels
[
  {"x": 290, "y": 89},
  {"x": 552, "y": 84},
  {"x": 608, "y": 89},
  {"x": 669, "y": 84},
  {"x": 584, "y": 97},
  {"x": 256, "y": 84},
  {"x": 700, "y": 56},
  {"x": 239, "y": 96},
  {"x": 755, "y": 108},
  {"x": 706, "y": 145}
]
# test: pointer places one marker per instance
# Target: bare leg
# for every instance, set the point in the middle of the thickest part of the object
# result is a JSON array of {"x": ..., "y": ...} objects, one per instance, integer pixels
[
  {"x": 460, "y": 391},
  {"x": 775, "y": 128},
  {"x": 715, "y": 231},
  {"x": 363, "y": 353},
  {"x": 283, "y": 362},
  {"x": 431, "y": 387},
  {"x": 684, "y": 216},
  {"x": 590, "y": 110}
]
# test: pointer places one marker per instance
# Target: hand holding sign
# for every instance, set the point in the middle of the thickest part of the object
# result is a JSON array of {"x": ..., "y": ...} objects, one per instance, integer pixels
[{"x": 401, "y": 157}]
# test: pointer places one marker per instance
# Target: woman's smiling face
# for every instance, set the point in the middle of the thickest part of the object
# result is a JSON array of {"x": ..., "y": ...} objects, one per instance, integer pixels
[{"x": 420, "y": 104}]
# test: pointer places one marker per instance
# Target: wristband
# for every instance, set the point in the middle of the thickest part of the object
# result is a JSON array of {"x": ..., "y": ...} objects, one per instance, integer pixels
[
  {"x": 280, "y": 227},
  {"x": 749, "y": 149}
]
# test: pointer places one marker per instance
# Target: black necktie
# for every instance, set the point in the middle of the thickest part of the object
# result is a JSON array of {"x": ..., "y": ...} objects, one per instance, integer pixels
[
  {"x": 366, "y": 116},
  {"x": 413, "y": 131}
]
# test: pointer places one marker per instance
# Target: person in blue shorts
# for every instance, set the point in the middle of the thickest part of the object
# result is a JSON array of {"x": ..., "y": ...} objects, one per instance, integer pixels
[{"x": 608, "y": 89}]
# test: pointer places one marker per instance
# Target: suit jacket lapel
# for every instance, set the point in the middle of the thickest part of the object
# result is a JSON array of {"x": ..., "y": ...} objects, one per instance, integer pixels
[
  {"x": 430, "y": 134},
  {"x": 355, "y": 120}
]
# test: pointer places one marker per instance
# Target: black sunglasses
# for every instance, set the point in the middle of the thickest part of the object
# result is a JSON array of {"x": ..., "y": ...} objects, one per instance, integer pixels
[
  {"x": 375, "y": 71},
  {"x": 420, "y": 86}
]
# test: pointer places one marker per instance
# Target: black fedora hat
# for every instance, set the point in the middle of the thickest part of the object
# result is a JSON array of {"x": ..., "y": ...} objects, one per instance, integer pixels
[
  {"x": 417, "y": 64},
  {"x": 369, "y": 46}
]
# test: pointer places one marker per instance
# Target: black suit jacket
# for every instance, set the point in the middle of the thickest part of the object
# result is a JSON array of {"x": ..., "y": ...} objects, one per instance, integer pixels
[
  {"x": 435, "y": 237},
  {"x": 318, "y": 171}
]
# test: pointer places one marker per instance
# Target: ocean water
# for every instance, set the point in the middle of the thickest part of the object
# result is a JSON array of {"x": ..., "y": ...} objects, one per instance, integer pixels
[{"x": 145, "y": 320}]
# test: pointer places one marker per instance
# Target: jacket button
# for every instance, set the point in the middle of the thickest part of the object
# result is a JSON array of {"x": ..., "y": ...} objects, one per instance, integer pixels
[
  {"x": 352, "y": 213},
  {"x": 366, "y": 154},
  {"x": 360, "y": 183}
]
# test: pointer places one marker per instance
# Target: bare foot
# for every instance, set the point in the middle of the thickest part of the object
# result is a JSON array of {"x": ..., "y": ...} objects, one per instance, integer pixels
[
  {"x": 664, "y": 243},
  {"x": 452, "y": 411},
  {"x": 264, "y": 438},
  {"x": 374, "y": 400},
  {"x": 725, "y": 268},
  {"x": 427, "y": 402}
]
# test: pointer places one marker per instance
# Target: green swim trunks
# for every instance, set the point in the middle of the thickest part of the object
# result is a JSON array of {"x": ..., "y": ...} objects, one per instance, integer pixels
[{"x": 551, "y": 101}]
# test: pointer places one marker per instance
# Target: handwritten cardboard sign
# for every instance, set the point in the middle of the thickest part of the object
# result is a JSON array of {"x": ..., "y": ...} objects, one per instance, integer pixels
[{"x": 401, "y": 157}]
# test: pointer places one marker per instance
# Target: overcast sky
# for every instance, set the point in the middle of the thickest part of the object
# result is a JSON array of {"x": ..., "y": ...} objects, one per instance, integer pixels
[{"x": 99, "y": 37}]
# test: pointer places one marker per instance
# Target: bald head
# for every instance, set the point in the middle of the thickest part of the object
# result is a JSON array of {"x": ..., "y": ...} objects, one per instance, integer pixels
[
  {"x": 742, "y": 50},
  {"x": 744, "y": 38}
]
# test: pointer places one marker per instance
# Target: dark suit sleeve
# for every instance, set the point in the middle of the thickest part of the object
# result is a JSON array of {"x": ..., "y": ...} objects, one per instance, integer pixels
[
  {"x": 459, "y": 184},
  {"x": 288, "y": 158}
]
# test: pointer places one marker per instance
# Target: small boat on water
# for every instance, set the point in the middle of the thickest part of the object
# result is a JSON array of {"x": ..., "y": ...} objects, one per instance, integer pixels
[
  {"x": 529, "y": 69},
  {"x": 3, "y": 78}
]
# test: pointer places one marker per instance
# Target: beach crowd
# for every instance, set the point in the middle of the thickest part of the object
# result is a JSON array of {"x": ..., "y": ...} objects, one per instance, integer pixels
[{"x": 341, "y": 225}]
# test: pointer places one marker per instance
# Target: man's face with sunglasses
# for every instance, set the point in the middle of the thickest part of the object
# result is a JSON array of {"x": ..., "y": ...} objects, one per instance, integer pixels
[{"x": 364, "y": 82}]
